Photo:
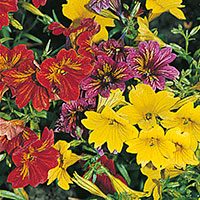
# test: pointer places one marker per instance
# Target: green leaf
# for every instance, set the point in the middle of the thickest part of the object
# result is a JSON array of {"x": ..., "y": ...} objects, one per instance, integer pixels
[
  {"x": 5, "y": 39},
  {"x": 124, "y": 172},
  {"x": 196, "y": 54},
  {"x": 32, "y": 37},
  {"x": 19, "y": 114},
  {"x": 42, "y": 114},
  {"x": 55, "y": 16},
  {"x": 5, "y": 116},
  {"x": 10, "y": 195}
]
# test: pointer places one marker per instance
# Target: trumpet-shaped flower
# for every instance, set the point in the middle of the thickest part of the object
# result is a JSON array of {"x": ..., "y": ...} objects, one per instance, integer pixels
[
  {"x": 28, "y": 88},
  {"x": 116, "y": 129},
  {"x": 147, "y": 106},
  {"x": 187, "y": 118},
  {"x": 76, "y": 10},
  {"x": 152, "y": 145},
  {"x": 24, "y": 137},
  {"x": 185, "y": 148},
  {"x": 158, "y": 7},
  {"x": 151, "y": 64},
  {"x": 62, "y": 76},
  {"x": 33, "y": 161},
  {"x": 5, "y": 7},
  {"x": 106, "y": 75},
  {"x": 66, "y": 158},
  {"x": 145, "y": 34}
]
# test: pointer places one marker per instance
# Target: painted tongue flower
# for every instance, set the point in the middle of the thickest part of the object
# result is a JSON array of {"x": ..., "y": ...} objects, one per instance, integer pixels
[
  {"x": 151, "y": 64},
  {"x": 33, "y": 161},
  {"x": 72, "y": 114},
  {"x": 106, "y": 75},
  {"x": 97, "y": 5},
  {"x": 115, "y": 49},
  {"x": 5, "y": 7}
]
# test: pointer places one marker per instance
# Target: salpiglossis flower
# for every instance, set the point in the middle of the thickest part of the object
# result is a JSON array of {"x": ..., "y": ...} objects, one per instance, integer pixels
[
  {"x": 12, "y": 59},
  {"x": 62, "y": 76},
  {"x": 116, "y": 129},
  {"x": 145, "y": 34},
  {"x": 152, "y": 145},
  {"x": 185, "y": 147},
  {"x": 148, "y": 105},
  {"x": 76, "y": 10},
  {"x": 24, "y": 137},
  {"x": 5, "y": 7},
  {"x": 158, "y": 7},
  {"x": 23, "y": 79},
  {"x": 38, "y": 3},
  {"x": 107, "y": 75},
  {"x": 66, "y": 158},
  {"x": 97, "y": 5},
  {"x": 33, "y": 161},
  {"x": 11, "y": 128},
  {"x": 187, "y": 118},
  {"x": 151, "y": 64}
]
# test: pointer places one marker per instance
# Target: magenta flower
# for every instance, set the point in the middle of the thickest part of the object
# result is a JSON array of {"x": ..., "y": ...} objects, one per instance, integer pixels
[
  {"x": 97, "y": 5},
  {"x": 115, "y": 49},
  {"x": 72, "y": 114},
  {"x": 151, "y": 64},
  {"x": 106, "y": 75}
]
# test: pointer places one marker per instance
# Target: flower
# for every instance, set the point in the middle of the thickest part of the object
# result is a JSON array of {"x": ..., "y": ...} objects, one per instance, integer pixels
[
  {"x": 62, "y": 76},
  {"x": 24, "y": 137},
  {"x": 38, "y": 3},
  {"x": 107, "y": 75},
  {"x": 23, "y": 79},
  {"x": 152, "y": 145},
  {"x": 19, "y": 55},
  {"x": 159, "y": 7},
  {"x": 148, "y": 106},
  {"x": 5, "y": 7},
  {"x": 151, "y": 64},
  {"x": 116, "y": 129},
  {"x": 33, "y": 161},
  {"x": 11, "y": 128},
  {"x": 97, "y": 5},
  {"x": 72, "y": 114},
  {"x": 115, "y": 49},
  {"x": 57, "y": 28},
  {"x": 76, "y": 10},
  {"x": 145, "y": 33},
  {"x": 89, "y": 186},
  {"x": 66, "y": 158},
  {"x": 185, "y": 148},
  {"x": 187, "y": 118}
]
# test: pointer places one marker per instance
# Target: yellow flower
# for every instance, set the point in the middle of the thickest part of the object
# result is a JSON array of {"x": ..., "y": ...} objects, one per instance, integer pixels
[
  {"x": 121, "y": 188},
  {"x": 89, "y": 186},
  {"x": 187, "y": 118},
  {"x": 145, "y": 33},
  {"x": 159, "y": 6},
  {"x": 109, "y": 127},
  {"x": 185, "y": 148},
  {"x": 152, "y": 145},
  {"x": 113, "y": 100},
  {"x": 76, "y": 10},
  {"x": 66, "y": 159},
  {"x": 147, "y": 105}
]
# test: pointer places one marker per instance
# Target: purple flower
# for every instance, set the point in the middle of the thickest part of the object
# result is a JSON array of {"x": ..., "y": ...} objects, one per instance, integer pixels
[
  {"x": 97, "y": 5},
  {"x": 72, "y": 114},
  {"x": 106, "y": 75},
  {"x": 151, "y": 64},
  {"x": 115, "y": 49}
]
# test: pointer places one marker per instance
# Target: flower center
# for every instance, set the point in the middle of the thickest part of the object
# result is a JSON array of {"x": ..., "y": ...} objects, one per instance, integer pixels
[
  {"x": 106, "y": 79},
  {"x": 153, "y": 141},
  {"x": 186, "y": 121},
  {"x": 148, "y": 116}
]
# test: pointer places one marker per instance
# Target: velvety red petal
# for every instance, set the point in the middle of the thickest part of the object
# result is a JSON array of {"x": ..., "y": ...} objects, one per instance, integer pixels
[
  {"x": 47, "y": 137},
  {"x": 37, "y": 3}
]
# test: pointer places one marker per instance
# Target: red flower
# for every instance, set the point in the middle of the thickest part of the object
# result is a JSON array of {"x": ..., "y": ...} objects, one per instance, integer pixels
[
  {"x": 62, "y": 76},
  {"x": 24, "y": 137},
  {"x": 37, "y": 3},
  {"x": 5, "y": 7},
  {"x": 33, "y": 162},
  {"x": 58, "y": 29},
  {"x": 12, "y": 59},
  {"x": 11, "y": 128},
  {"x": 28, "y": 88}
]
